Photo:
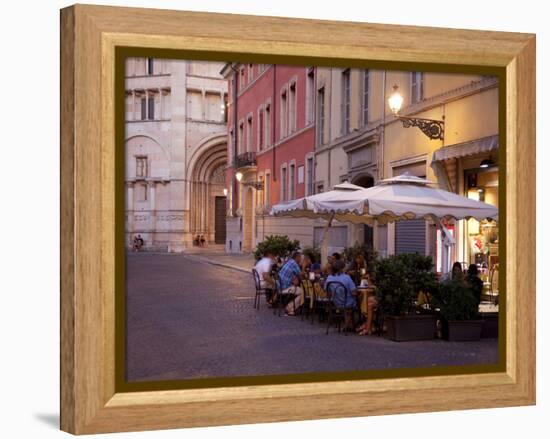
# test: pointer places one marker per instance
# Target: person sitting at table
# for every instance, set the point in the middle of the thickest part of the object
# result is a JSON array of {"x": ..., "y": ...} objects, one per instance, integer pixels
[
  {"x": 290, "y": 276},
  {"x": 327, "y": 269},
  {"x": 264, "y": 268},
  {"x": 357, "y": 267},
  {"x": 306, "y": 264},
  {"x": 474, "y": 282},
  {"x": 456, "y": 271},
  {"x": 342, "y": 299},
  {"x": 372, "y": 305}
]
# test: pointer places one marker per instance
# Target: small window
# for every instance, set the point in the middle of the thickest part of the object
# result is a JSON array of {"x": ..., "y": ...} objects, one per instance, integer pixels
[
  {"x": 249, "y": 134},
  {"x": 292, "y": 182},
  {"x": 292, "y": 108},
  {"x": 310, "y": 91},
  {"x": 417, "y": 87},
  {"x": 261, "y": 130},
  {"x": 150, "y": 66},
  {"x": 284, "y": 184},
  {"x": 267, "y": 190},
  {"x": 365, "y": 100},
  {"x": 267, "y": 136},
  {"x": 346, "y": 101},
  {"x": 143, "y": 108},
  {"x": 321, "y": 116},
  {"x": 151, "y": 109},
  {"x": 141, "y": 192},
  {"x": 309, "y": 176}
]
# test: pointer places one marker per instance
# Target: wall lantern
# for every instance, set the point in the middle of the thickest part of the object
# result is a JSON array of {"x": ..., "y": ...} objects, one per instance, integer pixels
[
  {"x": 432, "y": 128},
  {"x": 485, "y": 163},
  {"x": 225, "y": 192}
]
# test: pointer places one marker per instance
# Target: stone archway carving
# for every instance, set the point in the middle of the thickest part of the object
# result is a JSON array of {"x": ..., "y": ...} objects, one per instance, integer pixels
[{"x": 206, "y": 182}]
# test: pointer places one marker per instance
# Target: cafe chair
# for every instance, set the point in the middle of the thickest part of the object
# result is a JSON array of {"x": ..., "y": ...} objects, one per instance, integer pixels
[
  {"x": 260, "y": 291},
  {"x": 337, "y": 295}
]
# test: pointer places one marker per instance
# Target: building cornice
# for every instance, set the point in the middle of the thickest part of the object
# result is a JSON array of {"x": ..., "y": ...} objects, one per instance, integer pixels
[{"x": 361, "y": 133}]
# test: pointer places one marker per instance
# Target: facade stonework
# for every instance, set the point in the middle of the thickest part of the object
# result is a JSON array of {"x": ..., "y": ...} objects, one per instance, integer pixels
[{"x": 175, "y": 152}]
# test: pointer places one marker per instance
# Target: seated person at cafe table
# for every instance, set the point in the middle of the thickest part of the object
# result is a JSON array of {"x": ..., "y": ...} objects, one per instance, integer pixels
[
  {"x": 264, "y": 269},
  {"x": 327, "y": 269},
  {"x": 342, "y": 299},
  {"x": 289, "y": 281},
  {"x": 358, "y": 267},
  {"x": 369, "y": 304}
]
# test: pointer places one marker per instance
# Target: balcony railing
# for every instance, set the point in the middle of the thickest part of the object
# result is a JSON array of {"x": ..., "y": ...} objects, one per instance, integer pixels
[{"x": 245, "y": 159}]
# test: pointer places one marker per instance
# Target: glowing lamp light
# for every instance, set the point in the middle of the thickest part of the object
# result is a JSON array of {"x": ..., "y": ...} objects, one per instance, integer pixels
[
  {"x": 395, "y": 101},
  {"x": 239, "y": 176},
  {"x": 225, "y": 192}
]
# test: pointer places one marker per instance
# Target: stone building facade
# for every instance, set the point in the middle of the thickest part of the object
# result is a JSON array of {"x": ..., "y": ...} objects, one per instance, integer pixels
[{"x": 176, "y": 152}]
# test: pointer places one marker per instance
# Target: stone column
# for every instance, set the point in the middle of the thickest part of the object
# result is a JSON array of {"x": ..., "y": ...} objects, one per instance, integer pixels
[
  {"x": 203, "y": 94},
  {"x": 161, "y": 109},
  {"x": 146, "y": 103},
  {"x": 130, "y": 212},
  {"x": 133, "y": 105}
]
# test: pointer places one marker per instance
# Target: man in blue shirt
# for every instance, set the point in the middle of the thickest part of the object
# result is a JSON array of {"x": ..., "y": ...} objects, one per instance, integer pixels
[
  {"x": 342, "y": 299},
  {"x": 289, "y": 281}
]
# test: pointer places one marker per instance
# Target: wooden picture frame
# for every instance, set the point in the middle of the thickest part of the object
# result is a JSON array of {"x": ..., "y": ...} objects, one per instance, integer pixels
[{"x": 90, "y": 36}]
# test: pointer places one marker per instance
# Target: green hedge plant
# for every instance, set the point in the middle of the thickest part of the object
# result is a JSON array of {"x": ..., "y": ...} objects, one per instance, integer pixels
[
  {"x": 399, "y": 279},
  {"x": 456, "y": 301},
  {"x": 280, "y": 245}
]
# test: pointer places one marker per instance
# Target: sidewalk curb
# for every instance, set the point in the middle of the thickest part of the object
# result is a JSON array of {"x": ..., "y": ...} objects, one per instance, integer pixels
[{"x": 219, "y": 264}]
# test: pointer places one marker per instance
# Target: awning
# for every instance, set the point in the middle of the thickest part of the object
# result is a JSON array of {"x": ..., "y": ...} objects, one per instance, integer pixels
[
  {"x": 444, "y": 160},
  {"x": 474, "y": 147}
]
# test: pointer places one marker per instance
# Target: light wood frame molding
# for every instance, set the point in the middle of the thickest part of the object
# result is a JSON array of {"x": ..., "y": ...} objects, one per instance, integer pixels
[{"x": 89, "y": 36}]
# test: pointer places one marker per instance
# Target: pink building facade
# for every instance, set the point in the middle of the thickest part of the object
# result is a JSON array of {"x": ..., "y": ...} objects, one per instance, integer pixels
[{"x": 271, "y": 144}]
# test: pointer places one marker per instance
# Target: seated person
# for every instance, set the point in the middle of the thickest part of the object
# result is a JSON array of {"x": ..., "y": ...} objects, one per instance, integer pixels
[
  {"x": 357, "y": 267},
  {"x": 264, "y": 269},
  {"x": 474, "y": 282},
  {"x": 289, "y": 281},
  {"x": 327, "y": 269},
  {"x": 340, "y": 298},
  {"x": 306, "y": 264},
  {"x": 372, "y": 305}
]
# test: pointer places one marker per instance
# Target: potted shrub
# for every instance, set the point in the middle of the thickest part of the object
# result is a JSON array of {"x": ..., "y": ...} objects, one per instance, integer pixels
[
  {"x": 398, "y": 281},
  {"x": 280, "y": 245},
  {"x": 459, "y": 311}
]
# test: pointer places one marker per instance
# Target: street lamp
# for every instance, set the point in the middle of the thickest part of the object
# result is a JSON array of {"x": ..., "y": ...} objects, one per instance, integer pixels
[
  {"x": 258, "y": 185},
  {"x": 225, "y": 192},
  {"x": 432, "y": 128},
  {"x": 239, "y": 176}
]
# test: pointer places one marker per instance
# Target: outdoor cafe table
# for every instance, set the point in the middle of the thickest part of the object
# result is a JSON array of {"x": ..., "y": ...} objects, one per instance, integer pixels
[{"x": 363, "y": 293}]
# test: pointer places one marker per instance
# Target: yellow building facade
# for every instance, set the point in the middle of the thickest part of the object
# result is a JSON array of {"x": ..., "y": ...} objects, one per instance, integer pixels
[{"x": 359, "y": 139}]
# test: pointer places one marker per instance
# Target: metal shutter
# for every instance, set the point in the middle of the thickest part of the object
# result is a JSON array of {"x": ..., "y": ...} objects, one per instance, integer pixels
[{"x": 410, "y": 237}]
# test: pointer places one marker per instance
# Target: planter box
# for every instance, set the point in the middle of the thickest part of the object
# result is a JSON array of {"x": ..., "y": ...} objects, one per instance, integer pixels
[
  {"x": 490, "y": 325},
  {"x": 462, "y": 330},
  {"x": 409, "y": 328}
]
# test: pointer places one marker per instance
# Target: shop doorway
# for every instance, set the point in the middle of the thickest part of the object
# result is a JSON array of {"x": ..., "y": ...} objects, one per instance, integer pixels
[{"x": 366, "y": 181}]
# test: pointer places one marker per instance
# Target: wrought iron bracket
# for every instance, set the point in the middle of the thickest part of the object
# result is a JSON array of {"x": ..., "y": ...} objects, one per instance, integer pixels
[
  {"x": 258, "y": 185},
  {"x": 434, "y": 129}
]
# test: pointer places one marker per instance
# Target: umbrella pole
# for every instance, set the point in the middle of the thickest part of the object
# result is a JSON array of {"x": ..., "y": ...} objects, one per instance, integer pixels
[
  {"x": 324, "y": 244},
  {"x": 448, "y": 243}
]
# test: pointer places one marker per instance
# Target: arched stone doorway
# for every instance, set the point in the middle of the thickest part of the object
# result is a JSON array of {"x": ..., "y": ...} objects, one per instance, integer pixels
[
  {"x": 366, "y": 181},
  {"x": 207, "y": 202}
]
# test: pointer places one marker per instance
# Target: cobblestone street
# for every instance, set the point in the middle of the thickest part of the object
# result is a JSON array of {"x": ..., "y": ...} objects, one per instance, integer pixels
[{"x": 189, "y": 319}]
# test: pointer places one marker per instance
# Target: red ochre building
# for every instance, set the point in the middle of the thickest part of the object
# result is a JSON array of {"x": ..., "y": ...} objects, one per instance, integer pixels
[{"x": 271, "y": 143}]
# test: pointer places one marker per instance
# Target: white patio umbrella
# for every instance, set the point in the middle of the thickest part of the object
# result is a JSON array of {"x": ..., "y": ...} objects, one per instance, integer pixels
[
  {"x": 400, "y": 198},
  {"x": 305, "y": 208}
]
